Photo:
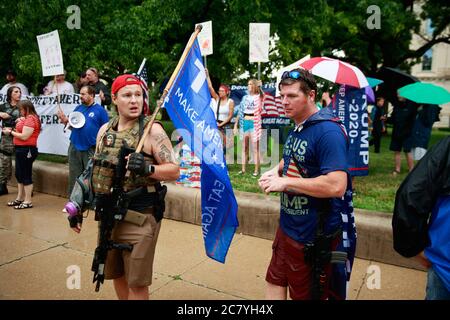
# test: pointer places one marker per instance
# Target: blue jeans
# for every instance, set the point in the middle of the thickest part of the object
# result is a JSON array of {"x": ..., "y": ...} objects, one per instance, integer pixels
[{"x": 436, "y": 289}]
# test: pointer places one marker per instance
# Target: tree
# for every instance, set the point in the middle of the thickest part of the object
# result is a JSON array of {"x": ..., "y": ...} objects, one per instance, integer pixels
[
  {"x": 388, "y": 46},
  {"x": 116, "y": 35}
]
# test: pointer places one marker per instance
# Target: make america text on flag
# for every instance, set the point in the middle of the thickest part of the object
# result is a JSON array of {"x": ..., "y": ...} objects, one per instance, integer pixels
[{"x": 188, "y": 105}]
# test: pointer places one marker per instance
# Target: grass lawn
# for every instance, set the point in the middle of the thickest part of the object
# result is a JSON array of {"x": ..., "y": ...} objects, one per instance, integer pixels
[{"x": 373, "y": 192}]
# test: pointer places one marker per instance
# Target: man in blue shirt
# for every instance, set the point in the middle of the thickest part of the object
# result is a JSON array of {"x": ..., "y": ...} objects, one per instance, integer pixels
[
  {"x": 316, "y": 200},
  {"x": 421, "y": 220},
  {"x": 82, "y": 140}
]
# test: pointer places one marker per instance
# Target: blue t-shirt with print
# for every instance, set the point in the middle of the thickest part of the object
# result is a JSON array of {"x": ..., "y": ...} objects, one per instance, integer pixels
[
  {"x": 85, "y": 137},
  {"x": 318, "y": 148}
]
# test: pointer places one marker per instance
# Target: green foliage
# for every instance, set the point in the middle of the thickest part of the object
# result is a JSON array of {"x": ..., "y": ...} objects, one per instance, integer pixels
[
  {"x": 116, "y": 35},
  {"x": 374, "y": 192}
]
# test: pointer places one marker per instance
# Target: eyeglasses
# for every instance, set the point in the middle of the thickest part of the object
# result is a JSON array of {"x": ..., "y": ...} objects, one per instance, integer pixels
[
  {"x": 300, "y": 75},
  {"x": 294, "y": 74}
]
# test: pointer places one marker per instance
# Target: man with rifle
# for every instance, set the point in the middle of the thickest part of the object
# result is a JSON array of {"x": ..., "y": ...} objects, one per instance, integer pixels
[
  {"x": 314, "y": 245},
  {"x": 129, "y": 205}
]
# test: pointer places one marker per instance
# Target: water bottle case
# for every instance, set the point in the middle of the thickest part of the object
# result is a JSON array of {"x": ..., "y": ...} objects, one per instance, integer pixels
[{"x": 82, "y": 196}]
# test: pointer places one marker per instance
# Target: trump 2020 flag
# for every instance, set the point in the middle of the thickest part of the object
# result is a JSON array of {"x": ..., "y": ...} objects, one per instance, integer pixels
[
  {"x": 188, "y": 105},
  {"x": 350, "y": 105}
]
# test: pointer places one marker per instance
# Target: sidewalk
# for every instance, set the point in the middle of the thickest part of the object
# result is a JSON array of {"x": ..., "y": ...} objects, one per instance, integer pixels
[{"x": 39, "y": 253}]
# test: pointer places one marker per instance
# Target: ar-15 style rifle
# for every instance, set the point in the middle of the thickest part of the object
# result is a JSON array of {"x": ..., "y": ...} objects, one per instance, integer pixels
[{"x": 110, "y": 208}]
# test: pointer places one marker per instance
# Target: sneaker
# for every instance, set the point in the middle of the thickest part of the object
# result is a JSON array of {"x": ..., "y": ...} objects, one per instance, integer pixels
[{"x": 64, "y": 210}]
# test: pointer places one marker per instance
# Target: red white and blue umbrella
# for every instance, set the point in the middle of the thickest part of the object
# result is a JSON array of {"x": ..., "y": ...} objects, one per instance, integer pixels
[{"x": 336, "y": 71}]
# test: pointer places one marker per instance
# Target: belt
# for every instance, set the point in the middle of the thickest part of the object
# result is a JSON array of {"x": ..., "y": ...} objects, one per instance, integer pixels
[{"x": 141, "y": 190}]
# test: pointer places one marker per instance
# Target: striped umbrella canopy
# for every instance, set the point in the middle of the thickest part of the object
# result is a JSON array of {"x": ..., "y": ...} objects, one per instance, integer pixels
[{"x": 336, "y": 71}]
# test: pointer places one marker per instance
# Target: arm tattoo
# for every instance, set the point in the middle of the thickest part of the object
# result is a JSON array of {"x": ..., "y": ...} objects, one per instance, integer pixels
[
  {"x": 160, "y": 138},
  {"x": 166, "y": 155}
]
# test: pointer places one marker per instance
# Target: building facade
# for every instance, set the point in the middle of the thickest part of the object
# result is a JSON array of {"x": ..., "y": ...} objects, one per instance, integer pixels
[{"x": 435, "y": 65}]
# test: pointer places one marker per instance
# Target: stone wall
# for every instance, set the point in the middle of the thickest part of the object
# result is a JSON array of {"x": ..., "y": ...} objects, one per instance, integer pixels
[{"x": 258, "y": 215}]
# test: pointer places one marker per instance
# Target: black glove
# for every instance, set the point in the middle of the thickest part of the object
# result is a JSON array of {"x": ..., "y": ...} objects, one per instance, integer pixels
[
  {"x": 75, "y": 220},
  {"x": 136, "y": 164}
]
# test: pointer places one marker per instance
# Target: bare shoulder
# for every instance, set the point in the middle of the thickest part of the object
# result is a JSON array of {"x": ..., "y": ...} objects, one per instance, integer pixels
[
  {"x": 101, "y": 131},
  {"x": 158, "y": 134}
]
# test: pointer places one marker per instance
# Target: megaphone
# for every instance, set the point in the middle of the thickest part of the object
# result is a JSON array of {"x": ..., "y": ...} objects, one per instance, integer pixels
[{"x": 76, "y": 120}]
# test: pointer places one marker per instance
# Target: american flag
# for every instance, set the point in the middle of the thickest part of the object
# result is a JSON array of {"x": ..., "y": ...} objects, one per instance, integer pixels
[
  {"x": 269, "y": 108},
  {"x": 257, "y": 121},
  {"x": 272, "y": 106},
  {"x": 142, "y": 74},
  {"x": 292, "y": 171}
]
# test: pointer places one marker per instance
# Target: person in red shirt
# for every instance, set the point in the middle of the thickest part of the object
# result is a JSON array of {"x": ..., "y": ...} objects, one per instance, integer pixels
[{"x": 25, "y": 138}]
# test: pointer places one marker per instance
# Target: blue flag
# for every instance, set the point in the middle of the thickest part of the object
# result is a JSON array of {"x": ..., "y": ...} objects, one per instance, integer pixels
[
  {"x": 350, "y": 105},
  {"x": 188, "y": 105}
]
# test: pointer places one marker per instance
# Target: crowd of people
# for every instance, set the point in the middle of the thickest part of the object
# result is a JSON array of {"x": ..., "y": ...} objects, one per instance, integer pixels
[
  {"x": 313, "y": 180},
  {"x": 21, "y": 125}
]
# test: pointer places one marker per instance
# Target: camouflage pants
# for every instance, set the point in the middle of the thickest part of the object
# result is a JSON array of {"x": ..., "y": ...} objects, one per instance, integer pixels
[{"x": 6, "y": 152}]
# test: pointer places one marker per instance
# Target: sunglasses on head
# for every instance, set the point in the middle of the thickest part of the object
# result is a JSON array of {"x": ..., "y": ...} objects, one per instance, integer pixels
[
  {"x": 300, "y": 75},
  {"x": 293, "y": 74}
]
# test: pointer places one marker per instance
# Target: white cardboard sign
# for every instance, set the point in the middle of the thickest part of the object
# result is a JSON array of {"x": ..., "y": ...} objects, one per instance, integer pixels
[
  {"x": 51, "y": 54},
  {"x": 205, "y": 38},
  {"x": 259, "y": 42}
]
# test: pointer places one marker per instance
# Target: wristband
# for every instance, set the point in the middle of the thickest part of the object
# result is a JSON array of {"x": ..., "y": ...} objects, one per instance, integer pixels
[{"x": 151, "y": 169}]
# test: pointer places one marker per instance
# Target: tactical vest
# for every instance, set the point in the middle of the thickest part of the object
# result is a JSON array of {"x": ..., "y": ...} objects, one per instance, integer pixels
[
  {"x": 13, "y": 112},
  {"x": 106, "y": 158},
  {"x": 6, "y": 141}
]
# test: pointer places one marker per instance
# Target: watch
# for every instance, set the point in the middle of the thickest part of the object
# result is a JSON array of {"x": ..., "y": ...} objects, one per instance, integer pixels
[{"x": 151, "y": 169}]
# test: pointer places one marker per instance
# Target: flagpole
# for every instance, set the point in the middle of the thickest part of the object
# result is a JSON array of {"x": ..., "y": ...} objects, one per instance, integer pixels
[
  {"x": 259, "y": 70},
  {"x": 168, "y": 86},
  {"x": 142, "y": 66},
  {"x": 57, "y": 93}
]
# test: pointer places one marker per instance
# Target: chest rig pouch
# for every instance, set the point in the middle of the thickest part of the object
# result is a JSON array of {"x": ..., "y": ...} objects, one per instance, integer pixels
[{"x": 106, "y": 160}]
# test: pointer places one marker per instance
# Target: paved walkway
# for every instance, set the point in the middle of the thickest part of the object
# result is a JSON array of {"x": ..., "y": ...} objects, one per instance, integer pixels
[{"x": 39, "y": 256}]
